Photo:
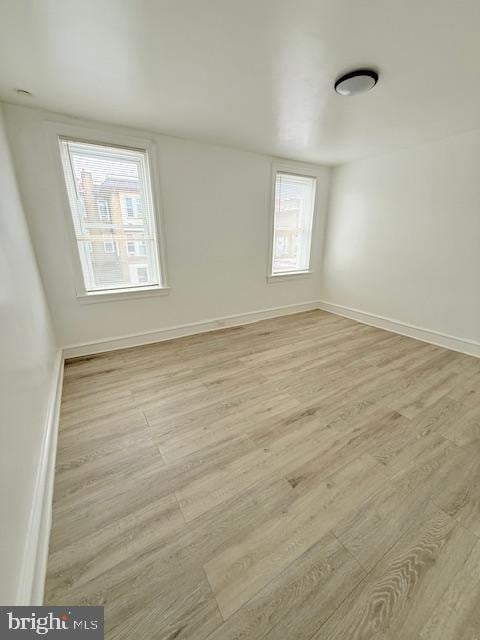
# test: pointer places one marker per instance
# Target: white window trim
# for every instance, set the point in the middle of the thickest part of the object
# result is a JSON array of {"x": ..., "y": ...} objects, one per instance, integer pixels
[
  {"x": 123, "y": 294},
  {"x": 300, "y": 169},
  {"x": 93, "y": 135}
]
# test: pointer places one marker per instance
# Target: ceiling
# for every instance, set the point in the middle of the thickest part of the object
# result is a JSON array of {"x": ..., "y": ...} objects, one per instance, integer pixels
[{"x": 255, "y": 74}]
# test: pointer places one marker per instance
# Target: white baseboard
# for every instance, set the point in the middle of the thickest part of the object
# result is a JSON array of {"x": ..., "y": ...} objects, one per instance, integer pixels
[
  {"x": 34, "y": 565},
  {"x": 463, "y": 345},
  {"x": 179, "y": 331}
]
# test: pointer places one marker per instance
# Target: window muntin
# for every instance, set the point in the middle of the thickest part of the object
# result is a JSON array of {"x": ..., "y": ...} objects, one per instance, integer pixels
[
  {"x": 294, "y": 206},
  {"x": 111, "y": 181}
]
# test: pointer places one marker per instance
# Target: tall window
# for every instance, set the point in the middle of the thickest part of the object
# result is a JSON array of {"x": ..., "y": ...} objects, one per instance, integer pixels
[
  {"x": 292, "y": 225},
  {"x": 115, "y": 182},
  {"x": 103, "y": 212},
  {"x": 129, "y": 207}
]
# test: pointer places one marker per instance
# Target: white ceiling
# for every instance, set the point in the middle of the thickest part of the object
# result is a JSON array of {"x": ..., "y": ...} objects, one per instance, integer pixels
[{"x": 256, "y": 74}]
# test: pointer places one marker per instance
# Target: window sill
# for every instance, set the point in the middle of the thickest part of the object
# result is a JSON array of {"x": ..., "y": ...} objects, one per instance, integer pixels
[
  {"x": 122, "y": 294},
  {"x": 284, "y": 277}
]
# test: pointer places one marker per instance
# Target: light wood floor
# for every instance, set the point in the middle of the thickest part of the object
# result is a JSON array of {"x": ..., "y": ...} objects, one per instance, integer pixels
[{"x": 300, "y": 478}]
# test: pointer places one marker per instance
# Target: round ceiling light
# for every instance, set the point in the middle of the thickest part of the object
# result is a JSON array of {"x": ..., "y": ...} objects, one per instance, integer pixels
[{"x": 357, "y": 81}]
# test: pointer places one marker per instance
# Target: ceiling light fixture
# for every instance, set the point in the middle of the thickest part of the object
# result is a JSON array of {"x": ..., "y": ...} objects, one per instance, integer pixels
[{"x": 357, "y": 81}]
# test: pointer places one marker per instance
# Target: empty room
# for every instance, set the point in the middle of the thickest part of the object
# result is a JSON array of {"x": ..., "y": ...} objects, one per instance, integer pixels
[{"x": 240, "y": 319}]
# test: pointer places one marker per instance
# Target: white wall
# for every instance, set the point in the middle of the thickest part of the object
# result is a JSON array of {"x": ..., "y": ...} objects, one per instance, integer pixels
[
  {"x": 216, "y": 207},
  {"x": 27, "y": 369},
  {"x": 403, "y": 236}
]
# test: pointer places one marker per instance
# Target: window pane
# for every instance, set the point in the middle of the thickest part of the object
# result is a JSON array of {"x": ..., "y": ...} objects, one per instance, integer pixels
[
  {"x": 103, "y": 210},
  {"x": 292, "y": 234},
  {"x": 112, "y": 211}
]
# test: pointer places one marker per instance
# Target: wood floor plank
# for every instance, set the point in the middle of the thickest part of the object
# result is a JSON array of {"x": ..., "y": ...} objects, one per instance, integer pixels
[
  {"x": 469, "y": 391},
  {"x": 422, "y": 458},
  {"x": 428, "y": 384},
  {"x": 97, "y": 435},
  {"x": 457, "y": 615},
  {"x": 81, "y": 561},
  {"x": 193, "y": 613},
  {"x": 240, "y": 571},
  {"x": 219, "y": 485},
  {"x": 458, "y": 492},
  {"x": 164, "y": 572},
  {"x": 195, "y": 433},
  {"x": 143, "y": 481},
  {"x": 402, "y": 591},
  {"x": 463, "y": 426},
  {"x": 300, "y": 599},
  {"x": 370, "y": 530},
  {"x": 99, "y": 463}
]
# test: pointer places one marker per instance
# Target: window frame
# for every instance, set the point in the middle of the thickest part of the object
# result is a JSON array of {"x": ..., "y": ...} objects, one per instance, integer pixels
[
  {"x": 113, "y": 251},
  {"x": 139, "y": 265},
  {"x": 130, "y": 219},
  {"x": 104, "y": 216},
  {"x": 58, "y": 131},
  {"x": 304, "y": 171},
  {"x": 136, "y": 253}
]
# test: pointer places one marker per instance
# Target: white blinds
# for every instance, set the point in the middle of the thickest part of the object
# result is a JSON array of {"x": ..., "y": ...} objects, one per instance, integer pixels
[
  {"x": 113, "y": 216},
  {"x": 292, "y": 235}
]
